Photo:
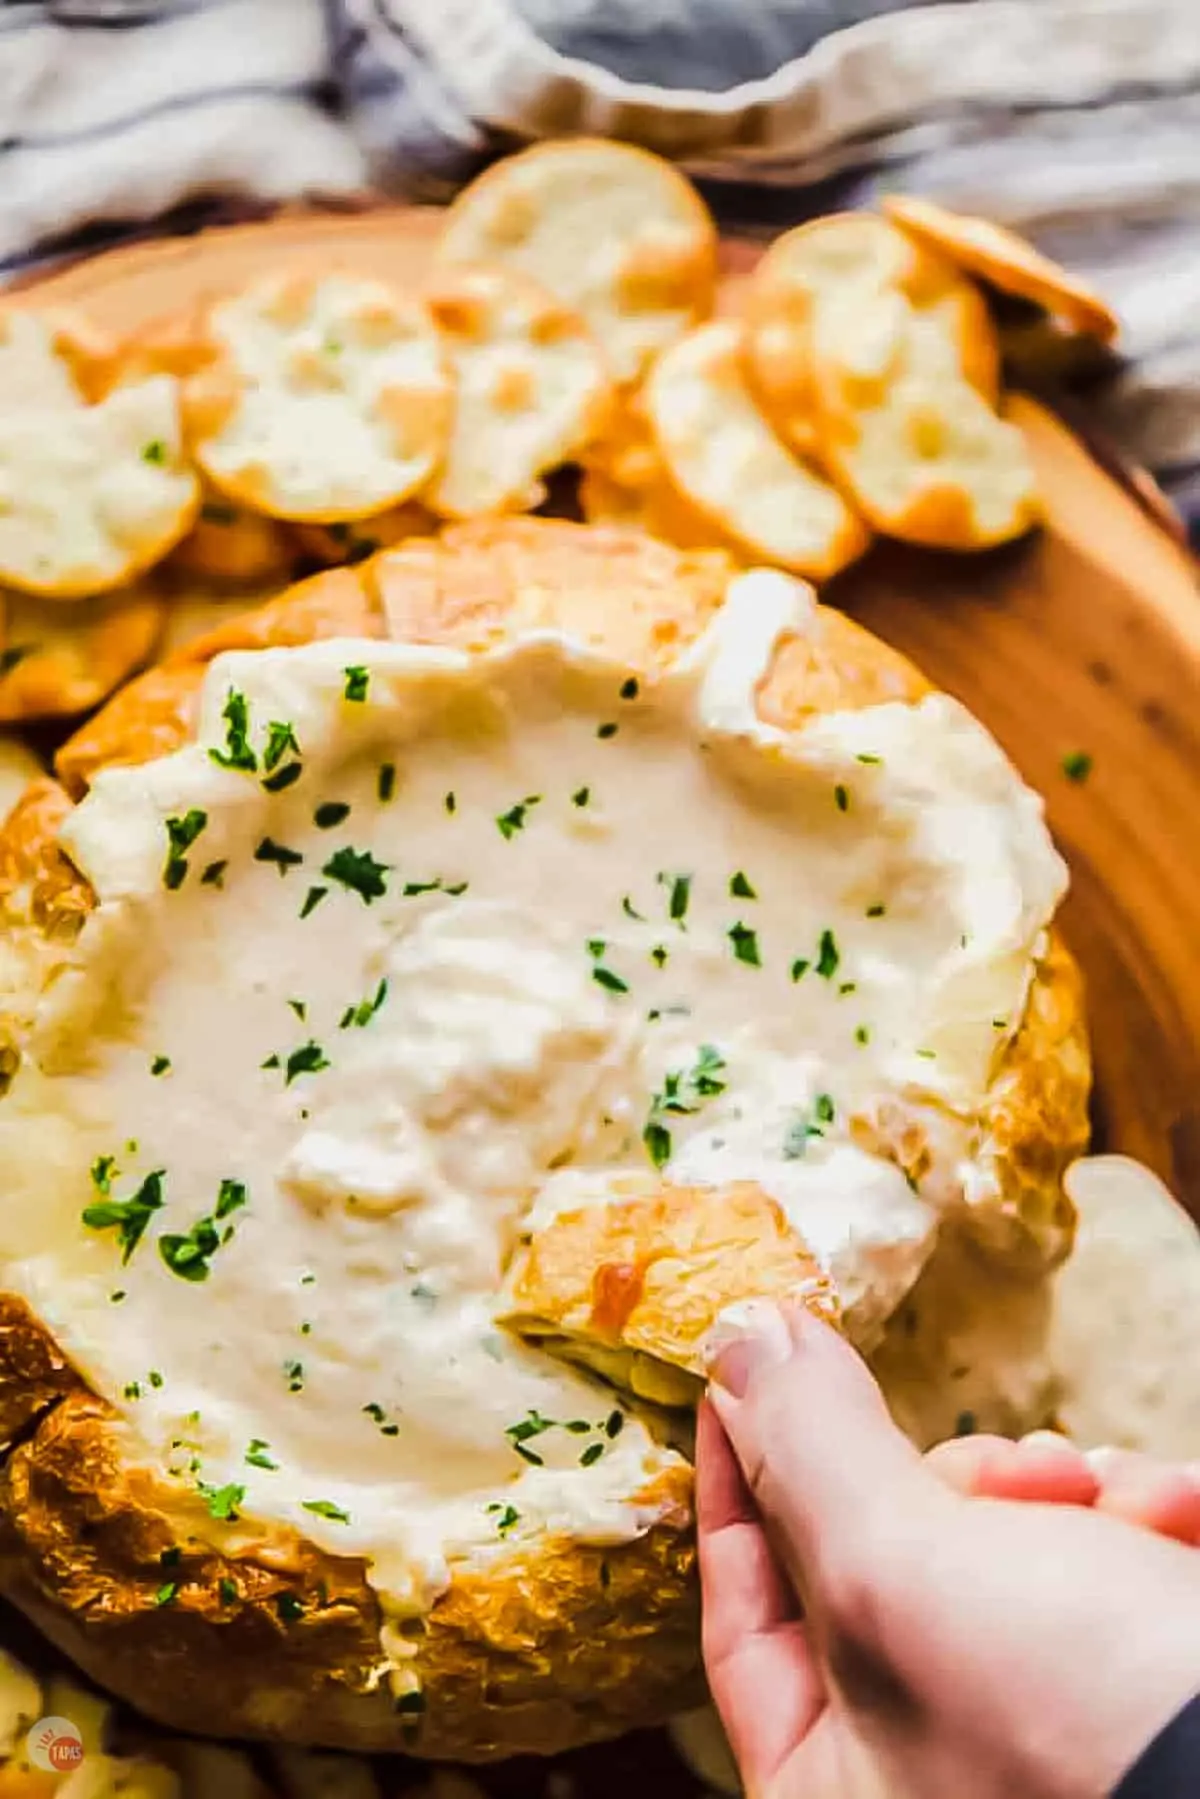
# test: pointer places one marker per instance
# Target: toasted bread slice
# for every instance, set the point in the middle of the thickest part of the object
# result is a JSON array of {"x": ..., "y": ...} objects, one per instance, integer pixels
[
  {"x": 532, "y": 390},
  {"x": 57, "y": 662},
  {"x": 324, "y": 398},
  {"x": 93, "y": 490},
  {"x": 923, "y": 454},
  {"x": 835, "y": 264},
  {"x": 631, "y": 1283},
  {"x": 721, "y": 454},
  {"x": 624, "y": 483},
  {"x": 1006, "y": 261},
  {"x": 612, "y": 231}
]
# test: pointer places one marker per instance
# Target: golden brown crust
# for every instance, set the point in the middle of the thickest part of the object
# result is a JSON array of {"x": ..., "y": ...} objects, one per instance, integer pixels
[
  {"x": 547, "y": 1645},
  {"x": 646, "y": 1274},
  {"x": 61, "y": 661}
]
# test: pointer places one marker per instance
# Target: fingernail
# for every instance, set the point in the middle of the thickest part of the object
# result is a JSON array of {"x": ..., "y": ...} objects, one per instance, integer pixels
[
  {"x": 750, "y": 1335},
  {"x": 1104, "y": 1458},
  {"x": 1048, "y": 1439}
]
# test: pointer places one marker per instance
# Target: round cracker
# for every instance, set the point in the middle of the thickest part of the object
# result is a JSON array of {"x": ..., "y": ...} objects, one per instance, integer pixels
[
  {"x": 919, "y": 449},
  {"x": 58, "y": 662},
  {"x": 998, "y": 256},
  {"x": 832, "y": 264},
  {"x": 721, "y": 454},
  {"x": 324, "y": 398},
  {"x": 624, "y": 484},
  {"x": 613, "y": 231},
  {"x": 532, "y": 390},
  {"x": 91, "y": 494}
]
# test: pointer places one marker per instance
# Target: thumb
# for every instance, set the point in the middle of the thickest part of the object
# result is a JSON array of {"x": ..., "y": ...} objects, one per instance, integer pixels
[{"x": 842, "y": 1493}]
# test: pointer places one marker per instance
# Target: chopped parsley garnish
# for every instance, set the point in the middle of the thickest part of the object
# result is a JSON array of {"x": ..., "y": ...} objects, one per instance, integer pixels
[
  {"x": 795, "y": 1142},
  {"x": 166, "y": 1592},
  {"x": 364, "y": 1012},
  {"x": 510, "y": 822},
  {"x": 258, "y": 1454},
  {"x": 310, "y": 1058},
  {"x": 629, "y": 688},
  {"x": 283, "y": 777},
  {"x": 227, "y": 1589},
  {"x": 800, "y": 968},
  {"x": 841, "y": 796},
  {"x": 116, "y": 1297},
  {"x": 128, "y": 1217},
  {"x": 237, "y": 752},
  {"x": 312, "y": 900},
  {"x": 386, "y": 785},
  {"x": 631, "y": 911},
  {"x": 871, "y": 761},
  {"x": 333, "y": 812},
  {"x": 231, "y": 1197},
  {"x": 1077, "y": 766},
  {"x": 412, "y": 889},
  {"x": 358, "y": 871},
  {"x": 591, "y": 1454},
  {"x": 160, "y": 1065},
  {"x": 271, "y": 1062},
  {"x": 214, "y": 874},
  {"x": 740, "y": 888},
  {"x": 684, "y": 1091},
  {"x": 155, "y": 451},
  {"x": 357, "y": 682},
  {"x": 608, "y": 979},
  {"x": 278, "y": 853},
  {"x": 680, "y": 889},
  {"x": 281, "y": 738},
  {"x": 505, "y": 1515},
  {"x": 155, "y": 1378},
  {"x": 828, "y": 956},
  {"x": 581, "y": 796},
  {"x": 181, "y": 834},
  {"x": 876, "y": 911},
  {"x": 520, "y": 1434},
  {"x": 325, "y": 1508},
  {"x": 222, "y": 1502},
  {"x": 658, "y": 955},
  {"x": 294, "y": 1375},
  {"x": 289, "y": 1607},
  {"x": 299, "y": 1007},
  {"x": 380, "y": 1417},
  {"x": 927, "y": 1055},
  {"x": 614, "y": 1424},
  {"x": 604, "y": 732},
  {"x": 133, "y": 1389},
  {"x": 745, "y": 944},
  {"x": 862, "y": 1034},
  {"x": 188, "y": 1254}
]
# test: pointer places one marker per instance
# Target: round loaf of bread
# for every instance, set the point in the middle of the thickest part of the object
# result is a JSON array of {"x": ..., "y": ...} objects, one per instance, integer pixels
[{"x": 427, "y": 1005}]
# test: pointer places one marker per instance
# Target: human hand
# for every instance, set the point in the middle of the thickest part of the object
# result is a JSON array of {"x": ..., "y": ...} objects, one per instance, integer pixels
[{"x": 949, "y": 1644}]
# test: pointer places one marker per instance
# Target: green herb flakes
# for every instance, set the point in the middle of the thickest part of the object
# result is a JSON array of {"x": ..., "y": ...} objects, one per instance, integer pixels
[
  {"x": 312, "y": 900},
  {"x": 188, "y": 1254},
  {"x": 876, "y": 911},
  {"x": 278, "y": 853},
  {"x": 227, "y": 1591},
  {"x": 631, "y": 911},
  {"x": 358, "y": 872},
  {"x": 505, "y": 1516},
  {"x": 155, "y": 452},
  {"x": 155, "y": 1378},
  {"x": 828, "y": 956},
  {"x": 166, "y": 1592},
  {"x": 237, "y": 753},
  {"x": 160, "y": 1065},
  {"x": 214, "y": 874},
  {"x": 258, "y": 1454},
  {"x": 181, "y": 834},
  {"x": 289, "y": 1607},
  {"x": 218, "y": 512},
  {"x": 614, "y": 1424},
  {"x": 450, "y": 803},
  {"x": 362, "y": 1014},
  {"x": 223, "y": 1502},
  {"x": 863, "y": 1034},
  {"x": 740, "y": 887},
  {"x": 231, "y": 1197},
  {"x": 293, "y": 1373},
  {"x": 132, "y": 1389},
  {"x": 1077, "y": 766},
  {"x": 521, "y": 1434},
  {"x": 128, "y": 1217},
  {"x": 841, "y": 798},
  {"x": 358, "y": 679},
  {"x": 510, "y": 822},
  {"x": 385, "y": 787},
  {"x": 608, "y": 979},
  {"x": 870, "y": 761},
  {"x": 14, "y": 655},
  {"x": 684, "y": 1091},
  {"x": 679, "y": 890},
  {"x": 333, "y": 812},
  {"x": 605, "y": 731},
  {"x": 591, "y": 1454},
  {"x": 658, "y": 955},
  {"x": 581, "y": 796},
  {"x": 806, "y": 1126},
  {"x": 325, "y": 1508},
  {"x": 300, "y": 1008},
  {"x": 629, "y": 688},
  {"x": 310, "y": 1058},
  {"x": 745, "y": 944}
]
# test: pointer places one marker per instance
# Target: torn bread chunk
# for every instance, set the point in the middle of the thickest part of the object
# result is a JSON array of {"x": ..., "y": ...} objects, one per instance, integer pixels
[
  {"x": 532, "y": 390},
  {"x": 1007, "y": 261},
  {"x": 611, "y": 230},
  {"x": 93, "y": 490},
  {"x": 324, "y": 398},
  {"x": 722, "y": 455},
  {"x": 631, "y": 1283}
]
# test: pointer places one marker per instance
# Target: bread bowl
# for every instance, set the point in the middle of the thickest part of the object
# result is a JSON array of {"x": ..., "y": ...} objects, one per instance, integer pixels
[{"x": 536, "y": 673}]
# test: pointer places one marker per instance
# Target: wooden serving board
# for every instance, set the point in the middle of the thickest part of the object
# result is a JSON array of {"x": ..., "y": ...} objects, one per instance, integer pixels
[{"x": 1086, "y": 637}]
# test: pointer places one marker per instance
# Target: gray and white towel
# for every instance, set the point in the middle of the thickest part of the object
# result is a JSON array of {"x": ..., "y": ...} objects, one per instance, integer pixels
[{"x": 1076, "y": 121}]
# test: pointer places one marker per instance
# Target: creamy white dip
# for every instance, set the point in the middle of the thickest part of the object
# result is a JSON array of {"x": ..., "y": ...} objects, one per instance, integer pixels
[{"x": 329, "y": 1032}]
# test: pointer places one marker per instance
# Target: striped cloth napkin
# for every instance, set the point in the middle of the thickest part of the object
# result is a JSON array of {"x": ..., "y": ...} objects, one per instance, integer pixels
[{"x": 1075, "y": 121}]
